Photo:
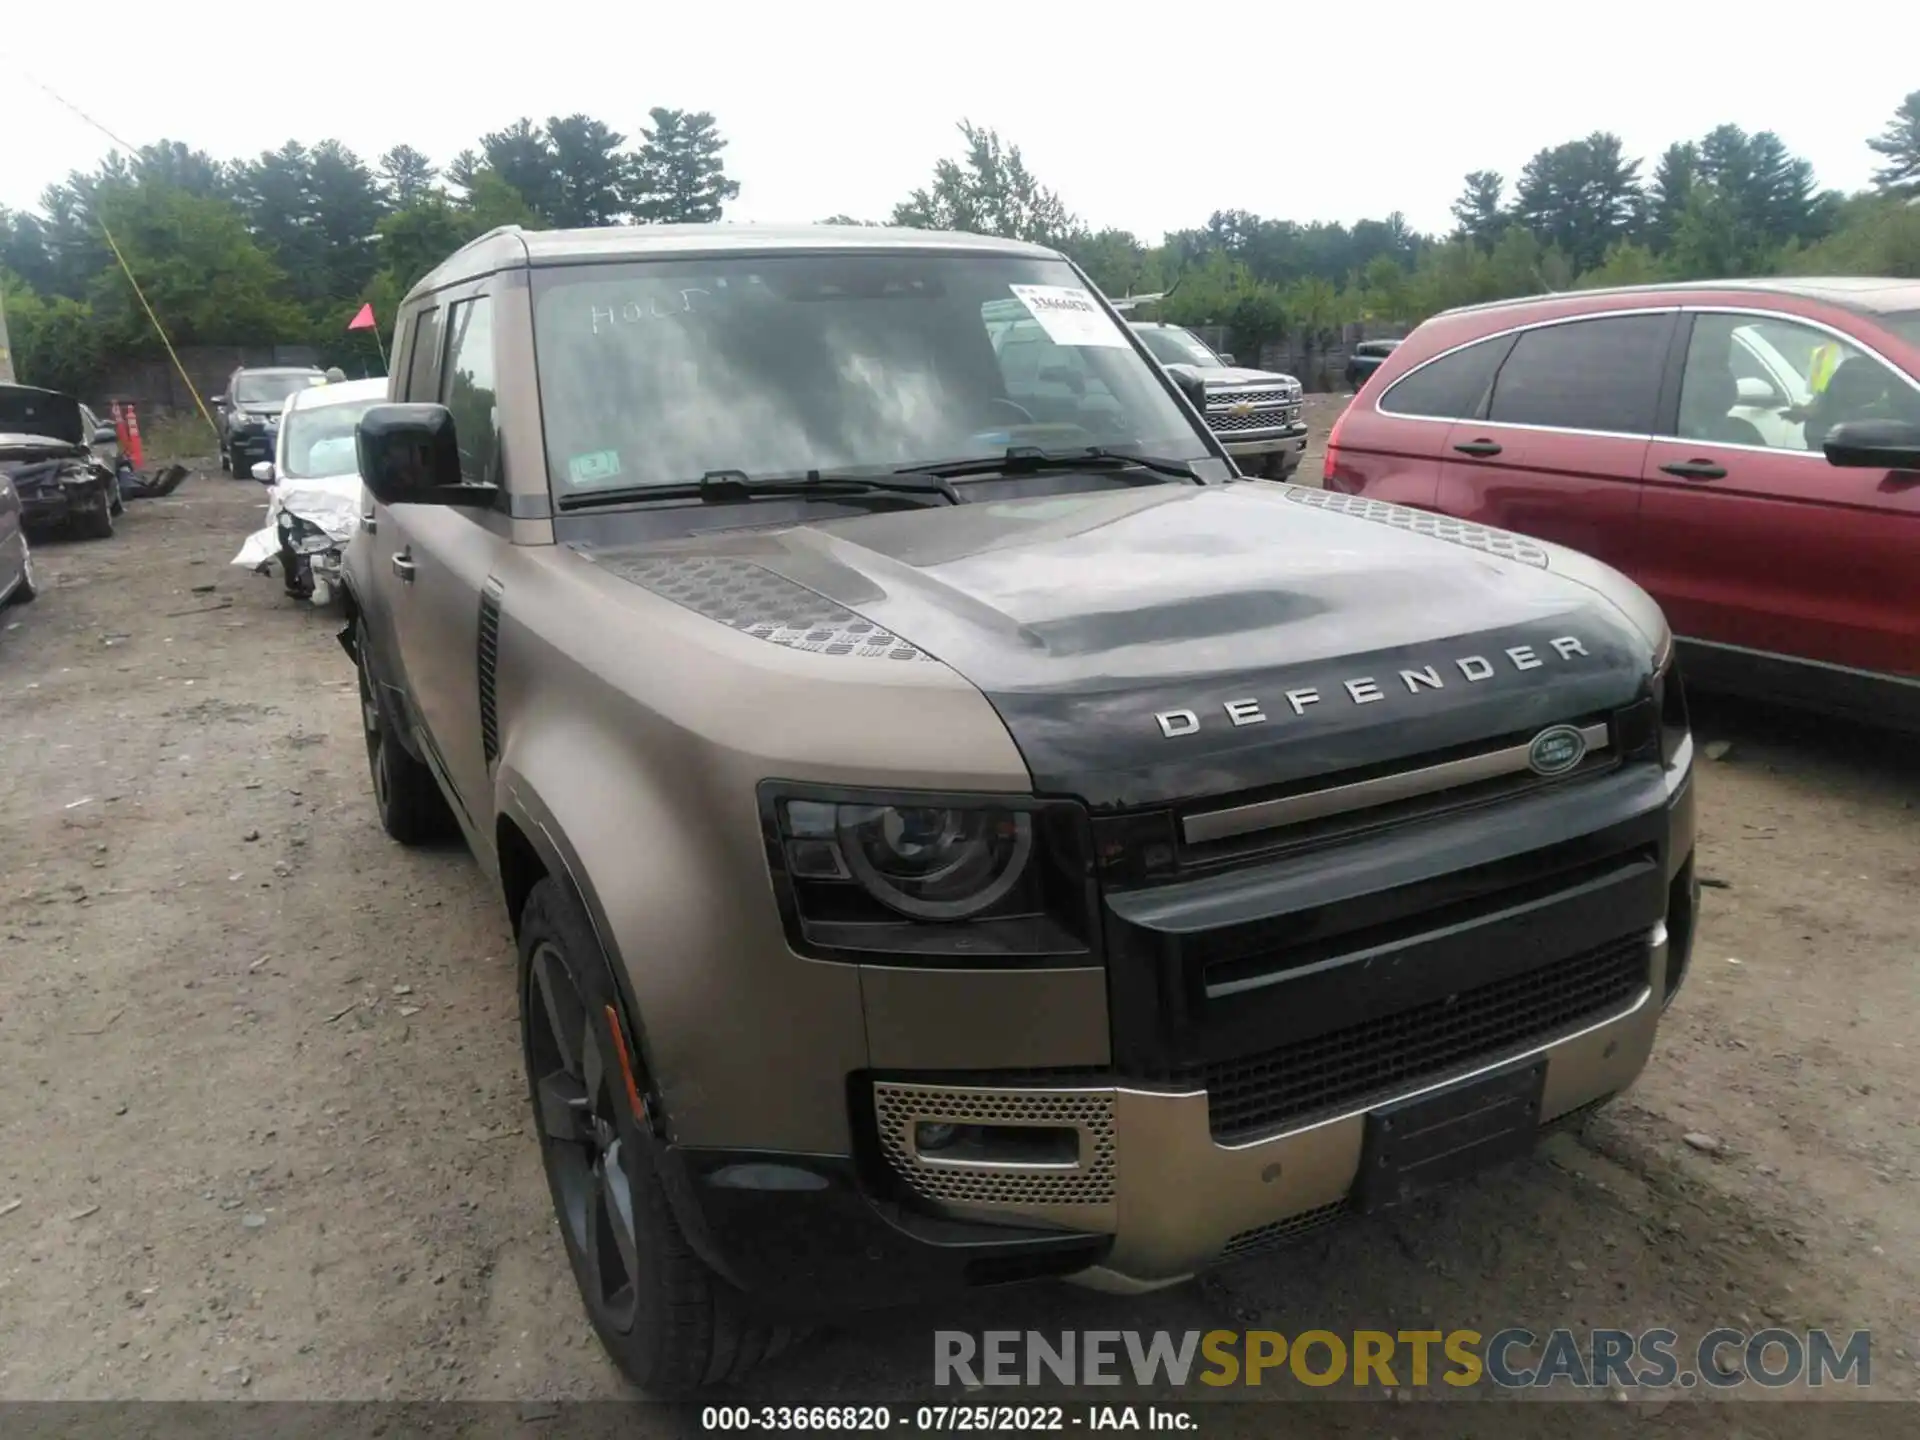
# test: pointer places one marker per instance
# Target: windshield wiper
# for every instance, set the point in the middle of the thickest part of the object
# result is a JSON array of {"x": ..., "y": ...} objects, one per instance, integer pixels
[
  {"x": 723, "y": 487},
  {"x": 1030, "y": 459}
]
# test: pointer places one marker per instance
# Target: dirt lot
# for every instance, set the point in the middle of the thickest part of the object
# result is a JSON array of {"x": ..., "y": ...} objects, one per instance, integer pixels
[{"x": 262, "y": 1128}]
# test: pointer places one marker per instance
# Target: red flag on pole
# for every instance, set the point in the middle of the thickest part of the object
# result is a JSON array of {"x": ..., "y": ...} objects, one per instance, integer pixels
[{"x": 364, "y": 320}]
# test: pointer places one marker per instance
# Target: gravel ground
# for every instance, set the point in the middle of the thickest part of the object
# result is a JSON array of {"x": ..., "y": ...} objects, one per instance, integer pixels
[{"x": 263, "y": 1132}]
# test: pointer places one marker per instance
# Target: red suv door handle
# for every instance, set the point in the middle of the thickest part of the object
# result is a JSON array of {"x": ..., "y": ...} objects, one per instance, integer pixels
[
  {"x": 1478, "y": 447},
  {"x": 1696, "y": 470}
]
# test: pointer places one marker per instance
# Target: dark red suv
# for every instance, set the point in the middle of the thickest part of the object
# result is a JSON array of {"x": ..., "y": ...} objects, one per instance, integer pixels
[{"x": 1749, "y": 452}]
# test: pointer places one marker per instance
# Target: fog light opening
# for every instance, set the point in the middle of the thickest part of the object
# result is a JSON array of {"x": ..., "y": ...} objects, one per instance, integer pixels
[{"x": 946, "y": 1142}]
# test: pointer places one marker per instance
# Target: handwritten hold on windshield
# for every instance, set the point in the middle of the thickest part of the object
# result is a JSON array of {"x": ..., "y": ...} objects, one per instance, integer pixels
[{"x": 633, "y": 312}]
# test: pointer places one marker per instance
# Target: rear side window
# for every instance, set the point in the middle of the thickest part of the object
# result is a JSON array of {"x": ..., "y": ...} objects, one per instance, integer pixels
[
  {"x": 423, "y": 364},
  {"x": 1450, "y": 388},
  {"x": 1599, "y": 375}
]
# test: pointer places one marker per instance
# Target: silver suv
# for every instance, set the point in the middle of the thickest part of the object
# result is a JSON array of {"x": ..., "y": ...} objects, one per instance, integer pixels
[{"x": 956, "y": 830}]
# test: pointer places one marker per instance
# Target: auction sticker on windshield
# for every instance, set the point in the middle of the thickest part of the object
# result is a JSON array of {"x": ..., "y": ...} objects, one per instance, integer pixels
[{"x": 1069, "y": 315}]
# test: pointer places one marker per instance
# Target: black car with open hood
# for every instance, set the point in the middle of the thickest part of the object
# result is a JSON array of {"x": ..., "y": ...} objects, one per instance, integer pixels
[{"x": 47, "y": 459}]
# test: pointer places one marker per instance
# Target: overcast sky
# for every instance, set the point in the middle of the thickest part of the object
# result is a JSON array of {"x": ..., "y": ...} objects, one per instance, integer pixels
[{"x": 1144, "y": 116}]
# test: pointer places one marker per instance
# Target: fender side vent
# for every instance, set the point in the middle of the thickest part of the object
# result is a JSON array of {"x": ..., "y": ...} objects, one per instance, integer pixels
[{"x": 489, "y": 658}]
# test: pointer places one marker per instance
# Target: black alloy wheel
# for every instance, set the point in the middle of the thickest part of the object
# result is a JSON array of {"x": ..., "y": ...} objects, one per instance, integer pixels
[
  {"x": 587, "y": 1135},
  {"x": 669, "y": 1322}
]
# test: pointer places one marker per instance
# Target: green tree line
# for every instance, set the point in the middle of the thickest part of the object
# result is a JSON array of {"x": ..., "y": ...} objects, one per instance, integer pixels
[
  {"x": 1727, "y": 205},
  {"x": 285, "y": 247}
]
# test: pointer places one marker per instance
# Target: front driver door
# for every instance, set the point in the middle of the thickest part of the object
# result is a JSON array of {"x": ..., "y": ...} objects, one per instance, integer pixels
[
  {"x": 441, "y": 557},
  {"x": 1750, "y": 539}
]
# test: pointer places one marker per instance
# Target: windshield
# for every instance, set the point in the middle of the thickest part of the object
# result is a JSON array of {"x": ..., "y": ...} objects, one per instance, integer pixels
[
  {"x": 24, "y": 411},
  {"x": 1906, "y": 325},
  {"x": 272, "y": 389},
  {"x": 656, "y": 372},
  {"x": 317, "y": 440},
  {"x": 1179, "y": 347}
]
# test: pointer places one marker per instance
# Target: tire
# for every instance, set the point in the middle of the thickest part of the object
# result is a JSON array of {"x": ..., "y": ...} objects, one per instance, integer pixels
[
  {"x": 29, "y": 585},
  {"x": 96, "y": 521},
  {"x": 290, "y": 573},
  {"x": 669, "y": 1323},
  {"x": 407, "y": 797}
]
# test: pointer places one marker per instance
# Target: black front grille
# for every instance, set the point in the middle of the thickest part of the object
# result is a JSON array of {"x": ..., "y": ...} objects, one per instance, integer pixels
[{"x": 1257, "y": 1094}]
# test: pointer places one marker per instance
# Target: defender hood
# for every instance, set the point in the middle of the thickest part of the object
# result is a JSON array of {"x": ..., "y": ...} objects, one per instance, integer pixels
[{"x": 1111, "y": 631}]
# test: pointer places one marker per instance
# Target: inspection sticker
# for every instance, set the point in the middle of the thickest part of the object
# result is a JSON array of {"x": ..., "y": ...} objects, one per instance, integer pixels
[
  {"x": 591, "y": 469},
  {"x": 1069, "y": 315}
]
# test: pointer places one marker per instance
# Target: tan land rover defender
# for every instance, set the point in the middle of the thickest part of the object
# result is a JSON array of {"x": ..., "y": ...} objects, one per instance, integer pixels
[{"x": 957, "y": 830}]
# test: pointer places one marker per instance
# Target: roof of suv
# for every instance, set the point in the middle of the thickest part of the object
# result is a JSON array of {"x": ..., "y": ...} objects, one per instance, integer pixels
[
  {"x": 512, "y": 247},
  {"x": 1871, "y": 294}
]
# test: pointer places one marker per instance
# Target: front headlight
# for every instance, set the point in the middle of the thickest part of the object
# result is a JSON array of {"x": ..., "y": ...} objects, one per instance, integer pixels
[
  {"x": 919, "y": 876},
  {"x": 241, "y": 422},
  {"x": 1670, "y": 695}
]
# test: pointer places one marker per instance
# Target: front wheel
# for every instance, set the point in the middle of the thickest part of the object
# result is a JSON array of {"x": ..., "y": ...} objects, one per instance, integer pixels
[
  {"x": 670, "y": 1323},
  {"x": 412, "y": 809},
  {"x": 96, "y": 521}
]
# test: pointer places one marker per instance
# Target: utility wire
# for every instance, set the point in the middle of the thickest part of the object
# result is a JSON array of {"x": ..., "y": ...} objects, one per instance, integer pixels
[{"x": 127, "y": 269}]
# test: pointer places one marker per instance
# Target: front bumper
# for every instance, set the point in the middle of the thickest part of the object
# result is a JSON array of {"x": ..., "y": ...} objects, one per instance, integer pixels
[
  {"x": 1291, "y": 441},
  {"x": 250, "y": 448},
  {"x": 1160, "y": 1185},
  {"x": 1181, "y": 1201}
]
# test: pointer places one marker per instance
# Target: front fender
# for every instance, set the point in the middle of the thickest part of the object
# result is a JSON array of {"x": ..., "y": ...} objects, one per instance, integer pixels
[{"x": 746, "y": 1044}]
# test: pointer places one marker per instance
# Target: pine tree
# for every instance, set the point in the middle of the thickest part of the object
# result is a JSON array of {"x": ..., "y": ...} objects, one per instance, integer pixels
[
  {"x": 1900, "y": 143},
  {"x": 678, "y": 175}
]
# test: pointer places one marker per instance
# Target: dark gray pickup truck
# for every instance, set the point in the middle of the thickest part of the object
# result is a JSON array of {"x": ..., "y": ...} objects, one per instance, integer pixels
[{"x": 1256, "y": 413}]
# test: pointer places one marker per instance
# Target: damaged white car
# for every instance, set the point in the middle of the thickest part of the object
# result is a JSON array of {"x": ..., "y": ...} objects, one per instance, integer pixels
[{"x": 315, "y": 501}]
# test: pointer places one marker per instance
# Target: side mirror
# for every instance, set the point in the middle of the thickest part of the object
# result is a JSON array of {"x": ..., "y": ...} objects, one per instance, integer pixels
[
  {"x": 1226, "y": 357},
  {"x": 409, "y": 456},
  {"x": 1191, "y": 385},
  {"x": 106, "y": 435},
  {"x": 263, "y": 471},
  {"x": 1874, "y": 445},
  {"x": 1753, "y": 390}
]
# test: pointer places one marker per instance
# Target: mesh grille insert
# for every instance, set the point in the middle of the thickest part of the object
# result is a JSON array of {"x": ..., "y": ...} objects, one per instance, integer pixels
[
  {"x": 1274, "y": 1234},
  {"x": 898, "y": 1107},
  {"x": 1255, "y": 1094}
]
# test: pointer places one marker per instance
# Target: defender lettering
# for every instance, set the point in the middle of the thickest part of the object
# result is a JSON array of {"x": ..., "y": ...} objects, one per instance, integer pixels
[{"x": 1365, "y": 690}]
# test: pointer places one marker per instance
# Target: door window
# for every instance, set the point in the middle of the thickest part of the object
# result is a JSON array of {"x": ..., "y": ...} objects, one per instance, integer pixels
[
  {"x": 1781, "y": 384},
  {"x": 1450, "y": 388},
  {"x": 1601, "y": 375},
  {"x": 467, "y": 387}
]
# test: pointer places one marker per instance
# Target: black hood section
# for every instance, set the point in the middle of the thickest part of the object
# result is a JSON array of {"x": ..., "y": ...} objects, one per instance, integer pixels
[
  {"x": 1097, "y": 623},
  {"x": 27, "y": 410}
]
